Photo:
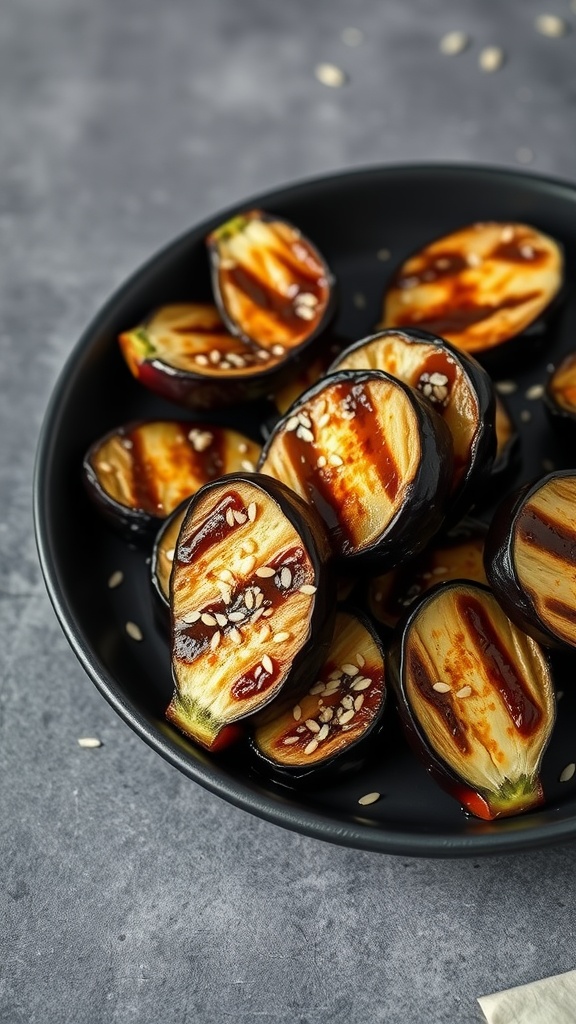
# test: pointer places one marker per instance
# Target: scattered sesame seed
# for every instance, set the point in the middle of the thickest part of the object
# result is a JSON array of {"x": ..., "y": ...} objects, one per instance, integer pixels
[
  {"x": 347, "y": 702},
  {"x": 215, "y": 641},
  {"x": 252, "y": 511},
  {"x": 264, "y": 633},
  {"x": 330, "y": 75},
  {"x": 524, "y": 155},
  {"x": 258, "y": 600},
  {"x": 551, "y": 25},
  {"x": 297, "y": 712},
  {"x": 359, "y": 300},
  {"x": 200, "y": 439},
  {"x": 312, "y": 725},
  {"x": 464, "y": 692},
  {"x": 358, "y": 702},
  {"x": 247, "y": 564},
  {"x": 239, "y": 517},
  {"x": 491, "y": 58},
  {"x": 236, "y": 616},
  {"x": 201, "y": 360},
  {"x": 267, "y": 613},
  {"x": 567, "y": 773},
  {"x": 536, "y": 391},
  {"x": 248, "y": 466},
  {"x": 322, "y": 735},
  {"x": 264, "y": 571},
  {"x": 115, "y": 579},
  {"x": 548, "y": 465},
  {"x": 285, "y": 577},
  {"x": 292, "y": 423},
  {"x": 304, "y": 312},
  {"x": 208, "y": 619},
  {"x": 323, "y": 421},
  {"x": 321, "y": 462},
  {"x": 441, "y": 687},
  {"x": 249, "y": 599},
  {"x": 226, "y": 575},
  {"x": 506, "y": 387},
  {"x": 369, "y": 798},
  {"x": 304, "y": 434},
  {"x": 307, "y": 589},
  {"x": 277, "y": 350},
  {"x": 361, "y": 684},
  {"x": 326, "y": 715},
  {"x": 267, "y": 664},
  {"x": 279, "y": 638},
  {"x": 453, "y": 43},
  {"x": 525, "y": 415},
  {"x": 335, "y": 460},
  {"x": 230, "y": 517},
  {"x": 242, "y": 447},
  {"x": 473, "y": 259},
  {"x": 347, "y": 716},
  {"x": 225, "y": 591},
  {"x": 220, "y": 619},
  {"x": 288, "y": 740},
  {"x": 383, "y": 255},
  {"x": 235, "y": 635},
  {"x": 350, "y": 670},
  {"x": 214, "y": 356},
  {"x": 317, "y": 688},
  {"x": 352, "y": 36},
  {"x": 360, "y": 660},
  {"x": 191, "y": 617},
  {"x": 311, "y": 747},
  {"x": 134, "y": 631},
  {"x": 89, "y": 742},
  {"x": 169, "y": 555}
]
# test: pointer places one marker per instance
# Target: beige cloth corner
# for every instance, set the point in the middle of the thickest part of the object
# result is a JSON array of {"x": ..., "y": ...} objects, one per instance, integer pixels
[{"x": 550, "y": 1001}]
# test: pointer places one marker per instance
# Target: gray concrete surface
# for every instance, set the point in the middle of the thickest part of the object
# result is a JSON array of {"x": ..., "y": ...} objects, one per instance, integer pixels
[{"x": 130, "y": 895}]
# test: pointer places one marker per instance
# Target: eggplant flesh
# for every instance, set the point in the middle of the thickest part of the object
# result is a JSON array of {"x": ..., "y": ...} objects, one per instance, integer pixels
[
  {"x": 479, "y": 286},
  {"x": 560, "y": 391},
  {"x": 531, "y": 558},
  {"x": 332, "y": 719},
  {"x": 164, "y": 551},
  {"x": 248, "y": 595},
  {"x": 139, "y": 473},
  {"x": 271, "y": 284},
  {"x": 476, "y": 698},
  {"x": 372, "y": 457}
]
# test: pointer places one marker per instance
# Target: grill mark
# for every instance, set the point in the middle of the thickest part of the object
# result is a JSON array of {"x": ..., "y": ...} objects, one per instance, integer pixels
[
  {"x": 143, "y": 481},
  {"x": 367, "y": 427},
  {"x": 525, "y": 714},
  {"x": 273, "y": 302},
  {"x": 454, "y": 319},
  {"x": 429, "y": 269},
  {"x": 560, "y": 608},
  {"x": 538, "y": 530},
  {"x": 441, "y": 702},
  {"x": 212, "y": 530},
  {"x": 317, "y": 488},
  {"x": 511, "y": 252}
]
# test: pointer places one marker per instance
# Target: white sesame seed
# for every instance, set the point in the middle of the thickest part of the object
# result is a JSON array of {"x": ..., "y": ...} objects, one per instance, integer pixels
[
  {"x": 169, "y": 555},
  {"x": 292, "y": 423},
  {"x": 536, "y": 391},
  {"x": 115, "y": 579},
  {"x": 208, "y": 619},
  {"x": 506, "y": 387},
  {"x": 191, "y": 617},
  {"x": 225, "y": 591},
  {"x": 240, "y": 517},
  {"x": 200, "y": 439},
  {"x": 247, "y": 564},
  {"x": 307, "y": 299},
  {"x": 525, "y": 415},
  {"x": 323, "y": 421},
  {"x": 249, "y": 599},
  {"x": 259, "y": 599},
  {"x": 352, "y": 36},
  {"x": 361, "y": 684},
  {"x": 335, "y": 460},
  {"x": 312, "y": 725},
  {"x": 550, "y": 25},
  {"x": 307, "y": 589},
  {"x": 201, "y": 360},
  {"x": 369, "y": 798},
  {"x": 264, "y": 633},
  {"x": 214, "y": 356},
  {"x": 330, "y": 75},
  {"x": 317, "y": 688},
  {"x": 134, "y": 631},
  {"x": 383, "y": 255},
  {"x": 237, "y": 361},
  {"x": 321, "y": 462},
  {"x": 360, "y": 660},
  {"x": 464, "y": 692},
  {"x": 236, "y": 616},
  {"x": 89, "y": 742},
  {"x": 267, "y": 664},
  {"x": 288, "y": 740},
  {"x": 453, "y": 43},
  {"x": 226, "y": 575},
  {"x": 277, "y": 350},
  {"x": 285, "y": 577},
  {"x": 359, "y": 300},
  {"x": 311, "y": 747},
  {"x": 304, "y": 434},
  {"x": 264, "y": 571},
  {"x": 220, "y": 619},
  {"x": 304, "y": 419},
  {"x": 252, "y": 511},
  {"x": 215, "y": 641},
  {"x": 347, "y": 702},
  {"x": 567, "y": 773},
  {"x": 230, "y": 517},
  {"x": 347, "y": 716},
  {"x": 235, "y": 635},
  {"x": 320, "y": 736},
  {"x": 267, "y": 613},
  {"x": 248, "y": 466},
  {"x": 326, "y": 715},
  {"x": 491, "y": 58},
  {"x": 441, "y": 687},
  {"x": 296, "y": 712},
  {"x": 242, "y": 447},
  {"x": 279, "y": 638},
  {"x": 358, "y": 701},
  {"x": 304, "y": 312},
  {"x": 349, "y": 669}
]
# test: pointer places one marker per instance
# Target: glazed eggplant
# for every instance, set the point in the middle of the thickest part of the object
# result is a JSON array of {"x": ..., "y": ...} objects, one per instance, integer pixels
[
  {"x": 137, "y": 474},
  {"x": 309, "y": 375},
  {"x": 371, "y": 455},
  {"x": 530, "y": 558},
  {"x": 251, "y": 603},
  {"x": 507, "y": 443},
  {"x": 333, "y": 723},
  {"x": 271, "y": 285},
  {"x": 560, "y": 396},
  {"x": 185, "y": 353},
  {"x": 454, "y": 383},
  {"x": 476, "y": 699},
  {"x": 479, "y": 288},
  {"x": 163, "y": 554},
  {"x": 457, "y": 555}
]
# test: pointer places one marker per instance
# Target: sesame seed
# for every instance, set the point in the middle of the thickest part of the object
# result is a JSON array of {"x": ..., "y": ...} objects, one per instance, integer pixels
[
  {"x": 252, "y": 511},
  {"x": 191, "y": 617},
  {"x": 89, "y": 742},
  {"x": 297, "y": 712},
  {"x": 304, "y": 434},
  {"x": 285, "y": 578},
  {"x": 322, "y": 735},
  {"x": 352, "y": 36},
  {"x": 307, "y": 589},
  {"x": 264, "y": 633},
  {"x": 360, "y": 660},
  {"x": 311, "y": 747},
  {"x": 288, "y": 740},
  {"x": 383, "y": 255},
  {"x": 264, "y": 571},
  {"x": 453, "y": 43},
  {"x": 359, "y": 300},
  {"x": 323, "y": 421},
  {"x": 536, "y": 391},
  {"x": 230, "y": 517},
  {"x": 226, "y": 575},
  {"x": 550, "y": 25},
  {"x": 321, "y": 462},
  {"x": 358, "y": 701},
  {"x": 237, "y": 361},
  {"x": 215, "y": 641},
  {"x": 249, "y": 546},
  {"x": 491, "y": 58},
  {"x": 278, "y": 350},
  {"x": 441, "y": 687},
  {"x": 115, "y": 579},
  {"x": 326, "y": 715},
  {"x": 236, "y": 616},
  {"x": 235, "y": 635},
  {"x": 259, "y": 599},
  {"x": 208, "y": 619},
  {"x": 506, "y": 387},
  {"x": 292, "y": 423},
  {"x": 350, "y": 670},
  {"x": 304, "y": 312},
  {"x": 267, "y": 613},
  {"x": 548, "y": 465},
  {"x": 369, "y": 798},
  {"x": 239, "y": 517},
  {"x": 335, "y": 460},
  {"x": 134, "y": 631},
  {"x": 527, "y": 252},
  {"x": 525, "y": 415},
  {"x": 214, "y": 356},
  {"x": 249, "y": 599},
  {"x": 464, "y": 692},
  {"x": 267, "y": 664},
  {"x": 225, "y": 591},
  {"x": 247, "y": 564},
  {"x": 248, "y": 466},
  {"x": 317, "y": 688},
  {"x": 567, "y": 773},
  {"x": 200, "y": 439},
  {"x": 347, "y": 702},
  {"x": 169, "y": 555},
  {"x": 304, "y": 419},
  {"x": 201, "y": 360},
  {"x": 242, "y": 447},
  {"x": 220, "y": 619},
  {"x": 279, "y": 638},
  {"x": 361, "y": 684},
  {"x": 105, "y": 467},
  {"x": 307, "y": 299},
  {"x": 347, "y": 716},
  {"x": 330, "y": 75},
  {"x": 312, "y": 725}
]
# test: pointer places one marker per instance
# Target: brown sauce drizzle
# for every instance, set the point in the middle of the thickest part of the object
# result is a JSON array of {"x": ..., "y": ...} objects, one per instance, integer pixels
[
  {"x": 250, "y": 684},
  {"x": 433, "y": 267},
  {"x": 212, "y": 530},
  {"x": 458, "y": 314},
  {"x": 144, "y": 487},
  {"x": 496, "y": 661},
  {"x": 538, "y": 530},
  {"x": 437, "y": 362},
  {"x": 281, "y": 306},
  {"x": 441, "y": 702},
  {"x": 511, "y": 252},
  {"x": 556, "y": 607}
]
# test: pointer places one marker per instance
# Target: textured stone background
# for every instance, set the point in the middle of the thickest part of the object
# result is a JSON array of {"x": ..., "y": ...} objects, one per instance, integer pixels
[{"x": 128, "y": 893}]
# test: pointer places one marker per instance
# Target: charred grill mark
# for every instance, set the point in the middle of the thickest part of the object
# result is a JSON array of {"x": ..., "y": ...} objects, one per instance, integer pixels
[
  {"x": 367, "y": 427},
  {"x": 316, "y": 484},
  {"x": 441, "y": 702},
  {"x": 496, "y": 661},
  {"x": 454, "y": 316},
  {"x": 144, "y": 483},
  {"x": 212, "y": 530},
  {"x": 520, "y": 250},
  {"x": 540, "y": 531},
  {"x": 560, "y": 609},
  {"x": 432, "y": 267}
]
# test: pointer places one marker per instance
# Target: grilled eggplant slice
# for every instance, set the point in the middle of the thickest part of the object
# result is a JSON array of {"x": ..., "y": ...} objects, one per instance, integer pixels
[
  {"x": 454, "y": 383},
  {"x": 531, "y": 558},
  {"x": 185, "y": 353},
  {"x": 163, "y": 554},
  {"x": 272, "y": 287},
  {"x": 309, "y": 375},
  {"x": 138, "y": 473},
  {"x": 251, "y": 602},
  {"x": 507, "y": 443},
  {"x": 480, "y": 287},
  {"x": 332, "y": 725},
  {"x": 476, "y": 699},
  {"x": 457, "y": 555},
  {"x": 373, "y": 458},
  {"x": 560, "y": 396}
]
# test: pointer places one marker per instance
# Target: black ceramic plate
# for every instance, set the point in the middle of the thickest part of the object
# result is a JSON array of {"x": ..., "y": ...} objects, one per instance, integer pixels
[{"x": 351, "y": 217}]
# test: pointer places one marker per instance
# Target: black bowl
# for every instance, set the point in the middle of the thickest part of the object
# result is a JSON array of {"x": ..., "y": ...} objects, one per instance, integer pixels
[{"x": 352, "y": 218}]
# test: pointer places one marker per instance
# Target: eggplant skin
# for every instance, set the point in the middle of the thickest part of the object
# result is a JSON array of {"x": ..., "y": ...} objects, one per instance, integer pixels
[
  {"x": 502, "y": 570},
  {"x": 513, "y": 795}
]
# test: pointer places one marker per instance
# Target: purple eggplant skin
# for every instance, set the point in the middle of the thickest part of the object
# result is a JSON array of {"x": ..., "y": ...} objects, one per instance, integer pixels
[
  {"x": 429, "y": 494},
  {"x": 500, "y": 567},
  {"x": 343, "y": 763},
  {"x": 483, "y": 449}
]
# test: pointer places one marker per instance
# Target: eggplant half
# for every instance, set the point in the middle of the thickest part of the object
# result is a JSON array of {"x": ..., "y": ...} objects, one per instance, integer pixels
[
  {"x": 163, "y": 555},
  {"x": 375, "y": 460},
  {"x": 185, "y": 353},
  {"x": 251, "y": 604},
  {"x": 476, "y": 699},
  {"x": 454, "y": 384},
  {"x": 309, "y": 375},
  {"x": 457, "y": 555},
  {"x": 560, "y": 396},
  {"x": 507, "y": 443},
  {"x": 271, "y": 285},
  {"x": 530, "y": 558},
  {"x": 137, "y": 474},
  {"x": 479, "y": 288}
]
